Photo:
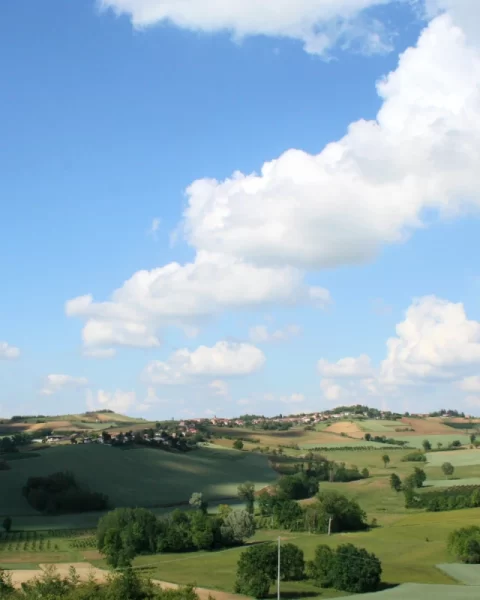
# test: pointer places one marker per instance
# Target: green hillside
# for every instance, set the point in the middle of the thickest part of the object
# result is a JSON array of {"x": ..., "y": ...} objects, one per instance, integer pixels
[{"x": 139, "y": 477}]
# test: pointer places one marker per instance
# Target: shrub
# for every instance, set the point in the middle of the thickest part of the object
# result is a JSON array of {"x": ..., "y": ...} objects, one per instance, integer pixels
[
  {"x": 464, "y": 543},
  {"x": 415, "y": 457}
]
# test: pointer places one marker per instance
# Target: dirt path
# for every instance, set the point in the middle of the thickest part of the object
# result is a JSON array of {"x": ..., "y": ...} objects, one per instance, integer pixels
[{"x": 86, "y": 570}]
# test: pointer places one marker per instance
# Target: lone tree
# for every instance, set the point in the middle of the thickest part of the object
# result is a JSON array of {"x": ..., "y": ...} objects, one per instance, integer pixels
[
  {"x": 197, "y": 501},
  {"x": 419, "y": 477},
  {"x": 427, "y": 446},
  {"x": 246, "y": 492},
  {"x": 368, "y": 437},
  {"x": 386, "y": 460},
  {"x": 395, "y": 482},
  {"x": 7, "y": 524},
  {"x": 448, "y": 469},
  {"x": 473, "y": 437},
  {"x": 238, "y": 445}
]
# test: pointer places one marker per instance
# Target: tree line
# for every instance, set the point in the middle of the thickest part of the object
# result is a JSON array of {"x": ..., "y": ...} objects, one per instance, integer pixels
[
  {"x": 60, "y": 493},
  {"x": 126, "y": 585}
]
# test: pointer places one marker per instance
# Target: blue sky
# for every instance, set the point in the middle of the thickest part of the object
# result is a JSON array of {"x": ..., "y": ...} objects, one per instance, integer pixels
[{"x": 155, "y": 261}]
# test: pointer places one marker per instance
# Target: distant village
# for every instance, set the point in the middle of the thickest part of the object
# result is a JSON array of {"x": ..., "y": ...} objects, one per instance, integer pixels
[{"x": 181, "y": 433}]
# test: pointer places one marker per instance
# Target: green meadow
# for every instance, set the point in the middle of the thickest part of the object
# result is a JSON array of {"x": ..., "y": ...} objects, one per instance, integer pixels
[{"x": 139, "y": 477}]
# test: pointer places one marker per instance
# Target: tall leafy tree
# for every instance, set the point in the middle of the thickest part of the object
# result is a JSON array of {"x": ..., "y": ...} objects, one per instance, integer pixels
[
  {"x": 246, "y": 492},
  {"x": 395, "y": 482},
  {"x": 448, "y": 469}
]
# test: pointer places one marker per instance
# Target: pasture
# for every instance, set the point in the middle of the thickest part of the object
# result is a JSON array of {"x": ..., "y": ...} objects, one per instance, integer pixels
[
  {"x": 458, "y": 458},
  {"x": 139, "y": 477}
]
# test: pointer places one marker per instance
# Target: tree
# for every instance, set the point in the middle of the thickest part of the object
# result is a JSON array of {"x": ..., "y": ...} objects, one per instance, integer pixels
[
  {"x": 347, "y": 568},
  {"x": 345, "y": 513},
  {"x": 395, "y": 482},
  {"x": 197, "y": 501},
  {"x": 464, "y": 543},
  {"x": 124, "y": 533},
  {"x": 427, "y": 446},
  {"x": 246, "y": 492},
  {"x": 473, "y": 437},
  {"x": 257, "y": 568},
  {"x": 223, "y": 511},
  {"x": 386, "y": 460},
  {"x": 365, "y": 473},
  {"x": 448, "y": 469},
  {"x": 419, "y": 477},
  {"x": 320, "y": 569},
  {"x": 238, "y": 526},
  {"x": 368, "y": 437},
  {"x": 7, "y": 524},
  {"x": 238, "y": 445},
  {"x": 356, "y": 570}
]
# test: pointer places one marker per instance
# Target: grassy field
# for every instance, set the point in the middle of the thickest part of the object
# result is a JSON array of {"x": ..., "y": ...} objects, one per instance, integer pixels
[
  {"x": 413, "y": 591},
  {"x": 140, "y": 477},
  {"x": 409, "y": 548},
  {"x": 444, "y": 439},
  {"x": 466, "y": 574},
  {"x": 458, "y": 458},
  {"x": 380, "y": 426}
]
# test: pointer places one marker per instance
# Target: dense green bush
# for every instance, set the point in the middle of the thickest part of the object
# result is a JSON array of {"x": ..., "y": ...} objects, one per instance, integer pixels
[
  {"x": 347, "y": 568},
  {"x": 127, "y": 586},
  {"x": 417, "y": 456},
  {"x": 60, "y": 493},
  {"x": 257, "y": 568},
  {"x": 125, "y": 533},
  {"x": 464, "y": 543}
]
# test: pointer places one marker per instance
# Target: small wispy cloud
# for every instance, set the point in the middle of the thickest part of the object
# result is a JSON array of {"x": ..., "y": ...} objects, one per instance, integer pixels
[{"x": 154, "y": 227}]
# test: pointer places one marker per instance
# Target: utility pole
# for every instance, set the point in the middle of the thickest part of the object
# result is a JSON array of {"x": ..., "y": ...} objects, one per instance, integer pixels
[{"x": 278, "y": 571}]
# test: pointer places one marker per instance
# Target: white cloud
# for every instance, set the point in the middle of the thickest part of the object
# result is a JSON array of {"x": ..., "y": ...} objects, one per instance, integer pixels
[
  {"x": 436, "y": 341},
  {"x": 57, "y": 383},
  {"x": 294, "y": 398},
  {"x": 8, "y": 352},
  {"x": 369, "y": 189},
  {"x": 118, "y": 401},
  {"x": 255, "y": 235},
  {"x": 225, "y": 359},
  {"x": 260, "y": 334},
  {"x": 220, "y": 388},
  {"x": 470, "y": 384},
  {"x": 99, "y": 352},
  {"x": 331, "y": 390},
  {"x": 184, "y": 294},
  {"x": 318, "y": 24},
  {"x": 354, "y": 368},
  {"x": 154, "y": 227},
  {"x": 435, "y": 344}
]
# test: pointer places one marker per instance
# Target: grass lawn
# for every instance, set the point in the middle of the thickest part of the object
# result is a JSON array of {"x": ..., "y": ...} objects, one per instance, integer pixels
[{"x": 140, "y": 477}]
